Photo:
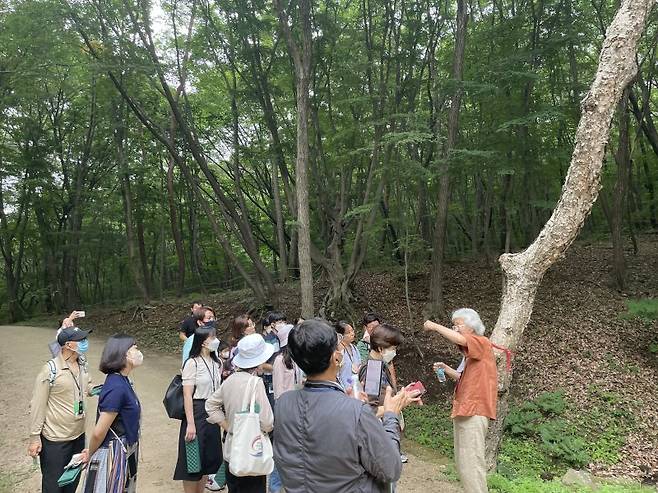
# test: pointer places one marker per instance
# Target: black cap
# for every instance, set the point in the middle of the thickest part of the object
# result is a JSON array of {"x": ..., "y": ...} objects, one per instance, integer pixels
[{"x": 72, "y": 334}]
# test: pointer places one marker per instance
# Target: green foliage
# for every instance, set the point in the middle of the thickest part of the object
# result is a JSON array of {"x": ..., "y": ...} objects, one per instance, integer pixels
[
  {"x": 643, "y": 308},
  {"x": 501, "y": 484},
  {"x": 559, "y": 443},
  {"x": 543, "y": 438},
  {"x": 379, "y": 125},
  {"x": 526, "y": 419},
  {"x": 430, "y": 425},
  {"x": 522, "y": 457},
  {"x": 523, "y": 420},
  {"x": 551, "y": 403}
]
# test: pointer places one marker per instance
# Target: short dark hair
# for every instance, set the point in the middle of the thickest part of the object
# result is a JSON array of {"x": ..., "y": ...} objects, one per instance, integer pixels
[
  {"x": 312, "y": 344},
  {"x": 384, "y": 336},
  {"x": 200, "y": 313},
  {"x": 113, "y": 359},
  {"x": 273, "y": 317},
  {"x": 341, "y": 326},
  {"x": 371, "y": 317},
  {"x": 200, "y": 335}
]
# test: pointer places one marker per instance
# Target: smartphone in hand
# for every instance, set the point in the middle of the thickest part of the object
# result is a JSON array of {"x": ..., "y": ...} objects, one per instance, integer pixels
[
  {"x": 416, "y": 386},
  {"x": 80, "y": 314},
  {"x": 373, "y": 382}
]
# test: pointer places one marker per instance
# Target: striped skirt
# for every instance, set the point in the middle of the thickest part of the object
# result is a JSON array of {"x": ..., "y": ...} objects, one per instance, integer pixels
[{"x": 113, "y": 469}]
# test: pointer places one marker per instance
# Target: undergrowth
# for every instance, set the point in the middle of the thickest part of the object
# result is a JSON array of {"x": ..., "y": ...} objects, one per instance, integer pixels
[
  {"x": 430, "y": 426},
  {"x": 643, "y": 308},
  {"x": 500, "y": 484},
  {"x": 543, "y": 438}
]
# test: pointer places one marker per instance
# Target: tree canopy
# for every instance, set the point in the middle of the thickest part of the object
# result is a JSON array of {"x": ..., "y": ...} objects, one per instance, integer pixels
[{"x": 150, "y": 148}]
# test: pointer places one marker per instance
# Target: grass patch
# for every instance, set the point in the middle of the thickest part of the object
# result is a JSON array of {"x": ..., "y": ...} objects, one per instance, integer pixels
[
  {"x": 543, "y": 439},
  {"x": 430, "y": 426},
  {"x": 643, "y": 308},
  {"x": 500, "y": 484}
]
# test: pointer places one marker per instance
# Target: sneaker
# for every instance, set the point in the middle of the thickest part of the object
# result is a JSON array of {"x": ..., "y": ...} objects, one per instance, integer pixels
[
  {"x": 212, "y": 486},
  {"x": 404, "y": 459}
]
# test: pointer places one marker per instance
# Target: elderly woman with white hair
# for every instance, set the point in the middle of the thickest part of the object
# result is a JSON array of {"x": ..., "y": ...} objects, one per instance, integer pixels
[{"x": 474, "y": 402}]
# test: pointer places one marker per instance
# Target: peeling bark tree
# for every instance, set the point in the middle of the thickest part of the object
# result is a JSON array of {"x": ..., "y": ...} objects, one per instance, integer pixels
[{"x": 522, "y": 272}]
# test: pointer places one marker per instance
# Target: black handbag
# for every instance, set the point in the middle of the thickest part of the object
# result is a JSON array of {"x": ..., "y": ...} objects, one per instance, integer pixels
[{"x": 173, "y": 399}]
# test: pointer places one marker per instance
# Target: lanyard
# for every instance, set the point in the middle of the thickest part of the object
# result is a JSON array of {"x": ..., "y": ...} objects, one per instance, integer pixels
[
  {"x": 211, "y": 373},
  {"x": 348, "y": 353},
  {"x": 75, "y": 380}
]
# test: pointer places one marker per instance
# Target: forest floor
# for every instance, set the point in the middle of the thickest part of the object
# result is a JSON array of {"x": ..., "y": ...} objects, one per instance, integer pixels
[
  {"x": 579, "y": 339},
  {"x": 23, "y": 352}
]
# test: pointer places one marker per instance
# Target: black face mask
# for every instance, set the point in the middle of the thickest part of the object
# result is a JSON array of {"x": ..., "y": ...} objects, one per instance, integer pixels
[{"x": 211, "y": 323}]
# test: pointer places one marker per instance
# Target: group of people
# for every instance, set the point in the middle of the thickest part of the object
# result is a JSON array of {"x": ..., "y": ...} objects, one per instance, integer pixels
[{"x": 306, "y": 381}]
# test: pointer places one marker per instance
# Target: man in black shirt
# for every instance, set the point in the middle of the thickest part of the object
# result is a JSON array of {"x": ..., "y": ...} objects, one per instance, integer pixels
[{"x": 189, "y": 325}]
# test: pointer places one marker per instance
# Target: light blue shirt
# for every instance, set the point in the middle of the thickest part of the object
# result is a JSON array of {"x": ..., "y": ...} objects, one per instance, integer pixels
[
  {"x": 187, "y": 346},
  {"x": 351, "y": 359}
]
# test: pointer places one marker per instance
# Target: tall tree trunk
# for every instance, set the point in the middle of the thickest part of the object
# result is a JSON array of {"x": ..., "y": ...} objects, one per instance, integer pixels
[
  {"x": 126, "y": 193},
  {"x": 616, "y": 213},
  {"x": 649, "y": 186},
  {"x": 524, "y": 271},
  {"x": 141, "y": 248},
  {"x": 301, "y": 56},
  {"x": 435, "y": 304},
  {"x": 173, "y": 220},
  {"x": 12, "y": 245},
  {"x": 280, "y": 225}
]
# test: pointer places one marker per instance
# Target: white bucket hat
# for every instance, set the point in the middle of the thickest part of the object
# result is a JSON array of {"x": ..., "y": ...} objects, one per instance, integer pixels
[
  {"x": 283, "y": 333},
  {"x": 252, "y": 351}
]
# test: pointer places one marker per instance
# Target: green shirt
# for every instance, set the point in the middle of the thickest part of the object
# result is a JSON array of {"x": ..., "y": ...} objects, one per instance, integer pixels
[{"x": 363, "y": 348}]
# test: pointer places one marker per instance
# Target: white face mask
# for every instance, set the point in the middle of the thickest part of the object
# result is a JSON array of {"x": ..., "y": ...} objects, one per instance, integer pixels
[
  {"x": 213, "y": 345},
  {"x": 135, "y": 357},
  {"x": 388, "y": 355}
]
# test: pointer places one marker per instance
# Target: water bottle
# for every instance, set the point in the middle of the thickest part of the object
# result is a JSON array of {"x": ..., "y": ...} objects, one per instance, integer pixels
[{"x": 441, "y": 374}]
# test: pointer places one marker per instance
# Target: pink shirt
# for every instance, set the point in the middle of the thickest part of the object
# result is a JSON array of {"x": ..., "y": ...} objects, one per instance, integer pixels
[{"x": 283, "y": 378}]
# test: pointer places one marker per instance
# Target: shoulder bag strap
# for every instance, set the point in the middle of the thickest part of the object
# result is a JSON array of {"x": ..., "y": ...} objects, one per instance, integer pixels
[
  {"x": 249, "y": 395},
  {"x": 252, "y": 407},
  {"x": 53, "y": 372}
]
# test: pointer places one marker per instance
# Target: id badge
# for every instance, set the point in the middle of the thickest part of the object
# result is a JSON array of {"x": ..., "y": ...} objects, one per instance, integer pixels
[{"x": 79, "y": 409}]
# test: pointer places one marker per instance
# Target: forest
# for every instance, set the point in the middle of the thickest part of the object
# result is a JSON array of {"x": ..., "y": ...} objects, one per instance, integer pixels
[
  {"x": 159, "y": 149},
  {"x": 330, "y": 157}
]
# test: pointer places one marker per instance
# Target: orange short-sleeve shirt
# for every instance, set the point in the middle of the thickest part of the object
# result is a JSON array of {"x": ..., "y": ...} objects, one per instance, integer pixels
[{"x": 476, "y": 393}]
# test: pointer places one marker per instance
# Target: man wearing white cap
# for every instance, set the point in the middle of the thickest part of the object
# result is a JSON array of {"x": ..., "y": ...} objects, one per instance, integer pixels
[{"x": 222, "y": 406}]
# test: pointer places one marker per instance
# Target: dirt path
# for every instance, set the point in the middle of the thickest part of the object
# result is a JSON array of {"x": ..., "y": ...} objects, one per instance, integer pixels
[{"x": 24, "y": 350}]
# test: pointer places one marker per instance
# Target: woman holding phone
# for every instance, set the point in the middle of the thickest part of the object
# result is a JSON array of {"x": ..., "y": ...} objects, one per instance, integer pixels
[
  {"x": 374, "y": 374},
  {"x": 202, "y": 375}
]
